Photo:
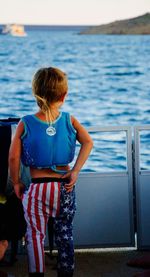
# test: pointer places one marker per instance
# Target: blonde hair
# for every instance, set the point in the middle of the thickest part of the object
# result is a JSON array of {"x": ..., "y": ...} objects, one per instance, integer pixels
[{"x": 49, "y": 85}]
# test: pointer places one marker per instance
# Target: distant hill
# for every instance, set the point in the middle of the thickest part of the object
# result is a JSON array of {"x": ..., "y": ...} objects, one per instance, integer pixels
[{"x": 136, "y": 25}]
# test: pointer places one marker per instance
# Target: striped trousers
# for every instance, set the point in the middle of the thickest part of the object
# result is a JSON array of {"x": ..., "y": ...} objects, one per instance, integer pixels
[{"x": 47, "y": 197}]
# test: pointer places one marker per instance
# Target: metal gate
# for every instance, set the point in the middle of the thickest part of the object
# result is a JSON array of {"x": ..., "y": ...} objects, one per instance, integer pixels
[
  {"x": 104, "y": 216},
  {"x": 142, "y": 180}
]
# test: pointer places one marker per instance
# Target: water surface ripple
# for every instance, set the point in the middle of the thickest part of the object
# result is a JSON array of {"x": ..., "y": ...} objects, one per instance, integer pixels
[{"x": 108, "y": 84}]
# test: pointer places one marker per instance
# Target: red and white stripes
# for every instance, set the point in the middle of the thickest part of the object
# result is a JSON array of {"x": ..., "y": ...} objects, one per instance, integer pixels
[{"x": 41, "y": 201}]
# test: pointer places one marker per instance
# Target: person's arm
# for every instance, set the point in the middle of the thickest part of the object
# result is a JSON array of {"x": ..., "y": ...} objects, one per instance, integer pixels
[
  {"x": 14, "y": 160},
  {"x": 86, "y": 146}
]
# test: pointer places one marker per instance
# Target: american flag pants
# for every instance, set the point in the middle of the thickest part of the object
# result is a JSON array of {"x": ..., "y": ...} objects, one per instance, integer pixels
[{"x": 48, "y": 198}]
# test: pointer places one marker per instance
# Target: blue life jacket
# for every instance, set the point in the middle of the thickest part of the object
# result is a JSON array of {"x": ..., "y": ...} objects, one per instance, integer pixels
[{"x": 39, "y": 150}]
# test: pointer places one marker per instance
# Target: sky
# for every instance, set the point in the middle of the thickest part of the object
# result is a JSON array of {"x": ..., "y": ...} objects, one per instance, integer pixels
[{"x": 70, "y": 12}]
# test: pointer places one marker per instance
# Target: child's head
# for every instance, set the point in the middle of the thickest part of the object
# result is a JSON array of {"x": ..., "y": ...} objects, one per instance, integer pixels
[{"x": 49, "y": 86}]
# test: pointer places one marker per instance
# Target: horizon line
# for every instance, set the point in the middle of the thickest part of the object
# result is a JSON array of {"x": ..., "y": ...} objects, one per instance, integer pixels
[{"x": 47, "y": 25}]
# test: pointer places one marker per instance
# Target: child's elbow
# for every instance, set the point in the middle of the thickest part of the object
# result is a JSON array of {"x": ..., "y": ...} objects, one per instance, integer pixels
[
  {"x": 12, "y": 159},
  {"x": 90, "y": 143}
]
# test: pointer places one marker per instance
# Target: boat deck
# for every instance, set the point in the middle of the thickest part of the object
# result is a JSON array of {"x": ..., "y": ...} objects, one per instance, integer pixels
[{"x": 96, "y": 263}]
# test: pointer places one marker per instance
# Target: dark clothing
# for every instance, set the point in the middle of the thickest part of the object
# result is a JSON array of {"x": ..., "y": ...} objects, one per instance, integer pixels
[
  {"x": 5, "y": 140},
  {"x": 13, "y": 225}
]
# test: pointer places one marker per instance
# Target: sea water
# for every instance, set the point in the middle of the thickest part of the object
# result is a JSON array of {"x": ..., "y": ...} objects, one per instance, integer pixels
[{"x": 108, "y": 84}]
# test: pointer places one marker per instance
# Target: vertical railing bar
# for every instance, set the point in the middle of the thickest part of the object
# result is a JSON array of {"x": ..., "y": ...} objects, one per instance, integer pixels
[
  {"x": 137, "y": 171},
  {"x": 130, "y": 183}
]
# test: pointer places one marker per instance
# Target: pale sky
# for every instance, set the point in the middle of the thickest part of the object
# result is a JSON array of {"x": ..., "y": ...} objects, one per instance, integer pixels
[{"x": 70, "y": 12}]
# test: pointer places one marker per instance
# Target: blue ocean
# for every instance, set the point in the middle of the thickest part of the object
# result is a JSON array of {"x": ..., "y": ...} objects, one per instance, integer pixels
[{"x": 108, "y": 84}]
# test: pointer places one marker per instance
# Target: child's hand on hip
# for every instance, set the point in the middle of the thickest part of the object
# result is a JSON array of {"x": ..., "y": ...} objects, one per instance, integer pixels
[{"x": 72, "y": 176}]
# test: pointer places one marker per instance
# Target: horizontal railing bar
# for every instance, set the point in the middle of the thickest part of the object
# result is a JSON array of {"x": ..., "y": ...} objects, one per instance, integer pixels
[
  {"x": 142, "y": 127},
  {"x": 103, "y": 173},
  {"x": 117, "y": 128},
  {"x": 144, "y": 172},
  {"x": 108, "y": 128}
]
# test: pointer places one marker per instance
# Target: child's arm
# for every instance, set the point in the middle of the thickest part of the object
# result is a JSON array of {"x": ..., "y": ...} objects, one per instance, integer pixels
[
  {"x": 14, "y": 160},
  {"x": 86, "y": 146}
]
